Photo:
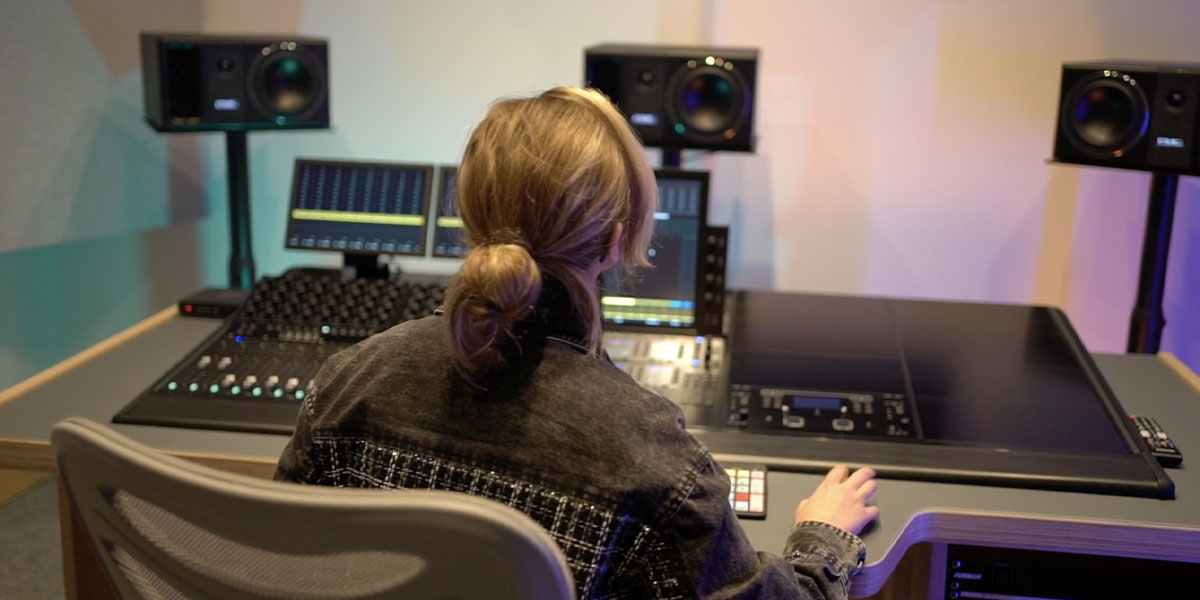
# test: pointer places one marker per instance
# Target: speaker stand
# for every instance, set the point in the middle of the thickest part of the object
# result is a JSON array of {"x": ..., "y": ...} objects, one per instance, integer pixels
[
  {"x": 241, "y": 258},
  {"x": 1147, "y": 321}
]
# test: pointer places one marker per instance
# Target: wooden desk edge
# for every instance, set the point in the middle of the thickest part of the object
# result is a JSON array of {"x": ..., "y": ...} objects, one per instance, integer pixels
[
  {"x": 1181, "y": 369},
  {"x": 1053, "y": 533},
  {"x": 38, "y": 455},
  {"x": 83, "y": 356}
]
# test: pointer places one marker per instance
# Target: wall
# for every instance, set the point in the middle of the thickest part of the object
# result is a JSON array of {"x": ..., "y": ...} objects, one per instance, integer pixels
[
  {"x": 97, "y": 214},
  {"x": 902, "y": 148},
  {"x": 904, "y": 152}
]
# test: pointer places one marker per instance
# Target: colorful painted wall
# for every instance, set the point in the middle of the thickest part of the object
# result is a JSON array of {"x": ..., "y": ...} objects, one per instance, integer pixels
[{"x": 904, "y": 153}]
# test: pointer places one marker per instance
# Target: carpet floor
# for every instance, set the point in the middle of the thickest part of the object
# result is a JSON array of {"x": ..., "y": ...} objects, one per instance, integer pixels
[{"x": 30, "y": 546}]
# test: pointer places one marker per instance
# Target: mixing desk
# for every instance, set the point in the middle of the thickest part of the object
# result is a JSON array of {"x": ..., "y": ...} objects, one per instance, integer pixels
[
  {"x": 686, "y": 369},
  {"x": 253, "y": 372},
  {"x": 939, "y": 390}
]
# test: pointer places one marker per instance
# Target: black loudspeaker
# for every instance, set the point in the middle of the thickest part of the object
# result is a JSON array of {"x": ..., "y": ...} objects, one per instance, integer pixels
[
  {"x": 1129, "y": 114},
  {"x": 680, "y": 97},
  {"x": 234, "y": 83}
]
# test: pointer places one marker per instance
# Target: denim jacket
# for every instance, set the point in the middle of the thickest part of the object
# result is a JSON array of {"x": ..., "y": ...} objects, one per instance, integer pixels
[{"x": 638, "y": 506}]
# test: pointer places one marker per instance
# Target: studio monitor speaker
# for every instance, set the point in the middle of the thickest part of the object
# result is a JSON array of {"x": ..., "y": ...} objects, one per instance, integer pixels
[
  {"x": 232, "y": 83},
  {"x": 680, "y": 97},
  {"x": 1129, "y": 114}
]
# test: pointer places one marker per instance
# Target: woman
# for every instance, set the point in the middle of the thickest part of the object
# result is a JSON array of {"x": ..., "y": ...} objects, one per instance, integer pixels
[{"x": 507, "y": 393}]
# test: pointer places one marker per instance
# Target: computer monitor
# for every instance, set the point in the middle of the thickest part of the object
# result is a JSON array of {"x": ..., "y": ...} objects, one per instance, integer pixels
[
  {"x": 665, "y": 296},
  {"x": 357, "y": 207},
  {"x": 448, "y": 238}
]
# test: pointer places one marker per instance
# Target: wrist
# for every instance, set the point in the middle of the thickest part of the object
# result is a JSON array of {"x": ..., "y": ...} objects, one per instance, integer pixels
[{"x": 844, "y": 550}]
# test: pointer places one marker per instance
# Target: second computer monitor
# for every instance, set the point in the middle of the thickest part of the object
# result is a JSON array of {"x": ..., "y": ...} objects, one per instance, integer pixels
[
  {"x": 359, "y": 207},
  {"x": 665, "y": 295},
  {"x": 448, "y": 238}
]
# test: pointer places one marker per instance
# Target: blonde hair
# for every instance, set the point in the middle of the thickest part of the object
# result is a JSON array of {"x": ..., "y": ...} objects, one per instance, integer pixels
[{"x": 541, "y": 186}]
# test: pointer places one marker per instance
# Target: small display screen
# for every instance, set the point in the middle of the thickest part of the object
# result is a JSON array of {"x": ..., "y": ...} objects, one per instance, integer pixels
[
  {"x": 359, "y": 207},
  {"x": 448, "y": 238},
  {"x": 814, "y": 402},
  {"x": 665, "y": 296}
]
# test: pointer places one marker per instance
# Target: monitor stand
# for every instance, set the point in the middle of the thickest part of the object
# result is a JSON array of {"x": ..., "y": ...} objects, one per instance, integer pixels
[{"x": 366, "y": 266}]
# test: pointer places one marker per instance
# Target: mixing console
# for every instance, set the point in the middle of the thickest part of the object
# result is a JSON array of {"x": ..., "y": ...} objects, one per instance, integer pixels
[
  {"x": 686, "y": 369},
  {"x": 254, "y": 371},
  {"x": 306, "y": 306}
]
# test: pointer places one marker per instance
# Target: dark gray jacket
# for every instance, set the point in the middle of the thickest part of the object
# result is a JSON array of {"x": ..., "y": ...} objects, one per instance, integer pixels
[{"x": 638, "y": 506}]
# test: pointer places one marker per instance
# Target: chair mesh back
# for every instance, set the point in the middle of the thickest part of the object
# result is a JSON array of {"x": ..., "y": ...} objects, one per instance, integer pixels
[
  {"x": 147, "y": 583},
  {"x": 254, "y": 570},
  {"x": 165, "y": 528}
]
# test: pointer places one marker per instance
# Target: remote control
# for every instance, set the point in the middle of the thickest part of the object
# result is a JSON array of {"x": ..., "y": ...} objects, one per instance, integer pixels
[
  {"x": 1161, "y": 446},
  {"x": 748, "y": 490}
]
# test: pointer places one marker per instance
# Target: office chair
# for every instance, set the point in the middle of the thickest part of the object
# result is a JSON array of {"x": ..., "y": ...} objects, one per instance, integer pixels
[{"x": 163, "y": 527}]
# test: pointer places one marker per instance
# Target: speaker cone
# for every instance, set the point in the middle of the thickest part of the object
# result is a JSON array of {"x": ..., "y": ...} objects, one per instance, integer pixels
[
  {"x": 1105, "y": 114},
  {"x": 286, "y": 81},
  {"x": 707, "y": 102}
]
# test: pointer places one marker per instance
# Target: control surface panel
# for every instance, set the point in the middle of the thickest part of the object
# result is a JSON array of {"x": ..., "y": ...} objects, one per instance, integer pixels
[
  {"x": 821, "y": 412},
  {"x": 689, "y": 370}
]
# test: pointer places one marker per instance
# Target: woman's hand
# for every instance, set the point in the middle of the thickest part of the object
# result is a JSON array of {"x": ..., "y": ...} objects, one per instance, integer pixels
[{"x": 841, "y": 500}]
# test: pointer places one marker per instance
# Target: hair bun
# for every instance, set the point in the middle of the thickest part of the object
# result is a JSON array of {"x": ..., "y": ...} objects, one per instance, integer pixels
[
  {"x": 505, "y": 277},
  {"x": 497, "y": 285}
]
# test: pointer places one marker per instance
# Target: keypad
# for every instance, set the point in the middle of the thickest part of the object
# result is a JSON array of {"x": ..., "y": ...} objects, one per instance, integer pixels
[{"x": 748, "y": 490}]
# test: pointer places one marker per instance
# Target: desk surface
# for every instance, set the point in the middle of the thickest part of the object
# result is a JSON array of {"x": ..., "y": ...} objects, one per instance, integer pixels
[{"x": 99, "y": 383}]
